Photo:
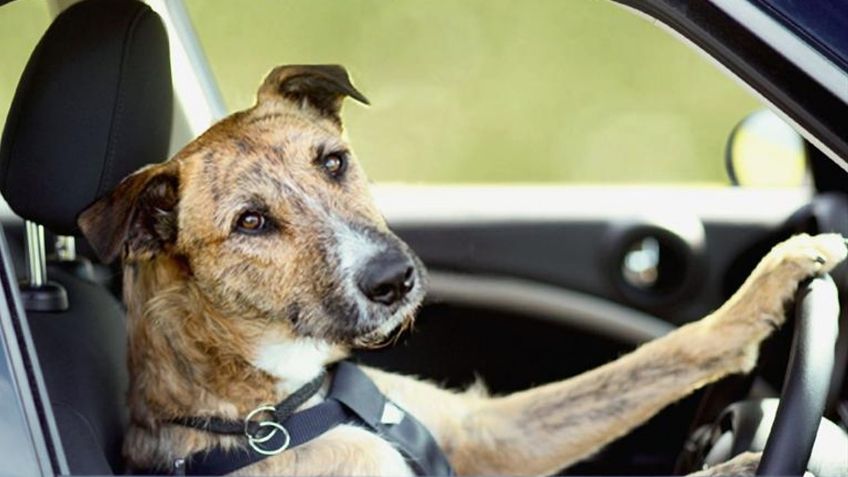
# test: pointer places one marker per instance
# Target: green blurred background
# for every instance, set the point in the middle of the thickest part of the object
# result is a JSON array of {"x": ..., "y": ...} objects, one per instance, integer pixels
[{"x": 475, "y": 90}]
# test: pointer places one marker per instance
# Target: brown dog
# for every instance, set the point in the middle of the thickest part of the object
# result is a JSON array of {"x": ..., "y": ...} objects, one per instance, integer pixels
[{"x": 255, "y": 257}]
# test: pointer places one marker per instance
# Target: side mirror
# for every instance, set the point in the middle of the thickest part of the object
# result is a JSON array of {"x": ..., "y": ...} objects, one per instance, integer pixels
[{"x": 764, "y": 151}]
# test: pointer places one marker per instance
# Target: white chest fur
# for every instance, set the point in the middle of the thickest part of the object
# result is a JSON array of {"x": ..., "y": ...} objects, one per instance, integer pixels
[{"x": 293, "y": 362}]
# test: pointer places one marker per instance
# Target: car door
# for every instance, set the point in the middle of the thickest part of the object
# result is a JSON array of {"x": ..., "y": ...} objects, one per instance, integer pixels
[{"x": 521, "y": 296}]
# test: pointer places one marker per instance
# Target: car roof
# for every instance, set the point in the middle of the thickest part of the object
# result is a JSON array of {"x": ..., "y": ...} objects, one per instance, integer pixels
[{"x": 823, "y": 24}]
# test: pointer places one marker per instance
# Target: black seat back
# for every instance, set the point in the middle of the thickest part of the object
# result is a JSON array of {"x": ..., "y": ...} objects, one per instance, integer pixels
[
  {"x": 94, "y": 103},
  {"x": 82, "y": 354}
]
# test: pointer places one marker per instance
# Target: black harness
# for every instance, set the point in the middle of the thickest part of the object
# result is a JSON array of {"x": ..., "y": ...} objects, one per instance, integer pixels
[{"x": 353, "y": 399}]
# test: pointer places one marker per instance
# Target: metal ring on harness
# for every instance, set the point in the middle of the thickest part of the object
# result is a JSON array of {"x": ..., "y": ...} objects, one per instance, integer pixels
[{"x": 255, "y": 441}]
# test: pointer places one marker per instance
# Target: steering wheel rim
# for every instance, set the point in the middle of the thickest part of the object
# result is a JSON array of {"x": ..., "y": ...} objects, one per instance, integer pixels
[{"x": 808, "y": 374}]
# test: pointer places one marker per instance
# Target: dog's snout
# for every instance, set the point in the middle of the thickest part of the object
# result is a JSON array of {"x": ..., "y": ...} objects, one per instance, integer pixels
[{"x": 387, "y": 278}]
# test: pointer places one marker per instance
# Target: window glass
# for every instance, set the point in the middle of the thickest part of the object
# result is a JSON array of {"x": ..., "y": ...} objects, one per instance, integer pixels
[
  {"x": 494, "y": 90},
  {"x": 21, "y": 25}
]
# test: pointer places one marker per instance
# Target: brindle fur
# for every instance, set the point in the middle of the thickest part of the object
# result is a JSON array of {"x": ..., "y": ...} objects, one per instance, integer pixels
[{"x": 221, "y": 322}]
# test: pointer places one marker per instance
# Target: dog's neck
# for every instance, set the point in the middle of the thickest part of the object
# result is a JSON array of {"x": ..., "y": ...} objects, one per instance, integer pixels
[{"x": 187, "y": 358}]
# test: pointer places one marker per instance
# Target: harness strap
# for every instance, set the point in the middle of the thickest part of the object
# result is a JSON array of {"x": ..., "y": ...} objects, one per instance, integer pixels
[
  {"x": 353, "y": 399},
  {"x": 356, "y": 391}
]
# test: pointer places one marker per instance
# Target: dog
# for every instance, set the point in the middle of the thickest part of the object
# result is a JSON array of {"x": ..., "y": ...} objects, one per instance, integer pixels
[{"x": 255, "y": 258}]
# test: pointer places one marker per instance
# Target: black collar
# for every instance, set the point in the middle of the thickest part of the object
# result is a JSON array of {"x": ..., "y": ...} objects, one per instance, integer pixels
[
  {"x": 249, "y": 427},
  {"x": 353, "y": 398}
]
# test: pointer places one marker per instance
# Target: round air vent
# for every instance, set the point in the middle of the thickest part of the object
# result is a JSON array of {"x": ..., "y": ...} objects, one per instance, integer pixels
[{"x": 653, "y": 264}]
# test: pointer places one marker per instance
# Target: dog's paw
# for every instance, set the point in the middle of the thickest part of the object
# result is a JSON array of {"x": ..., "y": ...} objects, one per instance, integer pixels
[
  {"x": 803, "y": 256},
  {"x": 757, "y": 309},
  {"x": 744, "y": 464}
]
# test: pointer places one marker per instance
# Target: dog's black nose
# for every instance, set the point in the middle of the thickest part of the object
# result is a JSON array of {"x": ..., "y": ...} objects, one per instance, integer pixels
[{"x": 387, "y": 278}]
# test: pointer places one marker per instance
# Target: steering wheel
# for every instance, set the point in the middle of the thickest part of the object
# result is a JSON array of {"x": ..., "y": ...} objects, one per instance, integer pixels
[
  {"x": 802, "y": 400},
  {"x": 784, "y": 429}
]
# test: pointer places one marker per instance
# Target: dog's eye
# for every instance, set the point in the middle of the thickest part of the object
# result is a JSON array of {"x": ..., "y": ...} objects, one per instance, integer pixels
[
  {"x": 251, "y": 222},
  {"x": 334, "y": 164}
]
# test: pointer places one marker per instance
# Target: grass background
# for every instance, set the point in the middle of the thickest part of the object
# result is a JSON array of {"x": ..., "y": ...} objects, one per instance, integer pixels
[{"x": 475, "y": 90}]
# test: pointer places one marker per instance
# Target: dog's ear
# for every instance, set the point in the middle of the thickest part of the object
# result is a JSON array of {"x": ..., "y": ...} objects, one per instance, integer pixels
[
  {"x": 322, "y": 87},
  {"x": 138, "y": 218}
]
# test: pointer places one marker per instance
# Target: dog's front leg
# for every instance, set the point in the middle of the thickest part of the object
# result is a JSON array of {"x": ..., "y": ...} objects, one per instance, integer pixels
[{"x": 542, "y": 430}]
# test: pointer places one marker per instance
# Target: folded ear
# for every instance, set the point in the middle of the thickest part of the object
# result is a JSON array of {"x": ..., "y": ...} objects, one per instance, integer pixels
[
  {"x": 323, "y": 87},
  {"x": 138, "y": 219}
]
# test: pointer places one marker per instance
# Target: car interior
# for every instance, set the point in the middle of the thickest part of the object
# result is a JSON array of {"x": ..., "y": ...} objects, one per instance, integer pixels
[{"x": 517, "y": 299}]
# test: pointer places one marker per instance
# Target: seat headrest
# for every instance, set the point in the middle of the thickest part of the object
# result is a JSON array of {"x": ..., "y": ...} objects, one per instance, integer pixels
[{"x": 94, "y": 104}]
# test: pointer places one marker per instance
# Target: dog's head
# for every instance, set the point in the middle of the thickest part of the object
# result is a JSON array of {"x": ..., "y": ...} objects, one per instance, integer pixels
[{"x": 269, "y": 215}]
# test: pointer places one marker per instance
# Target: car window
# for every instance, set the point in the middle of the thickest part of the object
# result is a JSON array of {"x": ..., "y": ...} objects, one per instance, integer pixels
[
  {"x": 494, "y": 90},
  {"x": 21, "y": 25}
]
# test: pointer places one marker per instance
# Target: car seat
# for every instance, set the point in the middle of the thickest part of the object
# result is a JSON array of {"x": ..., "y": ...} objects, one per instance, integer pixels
[{"x": 93, "y": 104}]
